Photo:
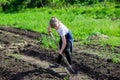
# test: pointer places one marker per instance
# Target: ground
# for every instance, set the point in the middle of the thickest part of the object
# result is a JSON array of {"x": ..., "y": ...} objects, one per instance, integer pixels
[{"x": 23, "y": 58}]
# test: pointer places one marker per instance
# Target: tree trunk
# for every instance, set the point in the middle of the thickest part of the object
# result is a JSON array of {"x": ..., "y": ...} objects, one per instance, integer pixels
[
  {"x": 41, "y": 3},
  {"x": 3, "y": 7}
]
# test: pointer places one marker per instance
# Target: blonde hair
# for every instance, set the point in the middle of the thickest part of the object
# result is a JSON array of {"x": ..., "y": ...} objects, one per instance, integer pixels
[{"x": 53, "y": 21}]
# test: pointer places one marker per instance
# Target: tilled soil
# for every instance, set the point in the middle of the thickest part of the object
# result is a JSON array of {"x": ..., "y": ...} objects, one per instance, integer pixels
[{"x": 23, "y": 58}]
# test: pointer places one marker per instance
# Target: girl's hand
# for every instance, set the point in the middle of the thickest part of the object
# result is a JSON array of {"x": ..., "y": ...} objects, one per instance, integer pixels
[{"x": 60, "y": 52}]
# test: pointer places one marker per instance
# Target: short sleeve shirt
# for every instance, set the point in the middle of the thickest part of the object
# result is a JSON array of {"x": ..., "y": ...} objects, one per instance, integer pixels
[{"x": 62, "y": 30}]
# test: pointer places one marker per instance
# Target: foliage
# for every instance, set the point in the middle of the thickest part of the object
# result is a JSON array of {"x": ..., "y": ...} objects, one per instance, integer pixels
[
  {"x": 116, "y": 58},
  {"x": 3, "y": 4},
  {"x": 49, "y": 44},
  {"x": 36, "y": 3},
  {"x": 17, "y": 5}
]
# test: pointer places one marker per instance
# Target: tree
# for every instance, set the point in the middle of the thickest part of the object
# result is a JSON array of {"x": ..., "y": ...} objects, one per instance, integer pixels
[{"x": 3, "y": 4}]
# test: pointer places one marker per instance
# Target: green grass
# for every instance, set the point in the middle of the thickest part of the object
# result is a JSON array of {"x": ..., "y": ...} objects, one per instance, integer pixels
[
  {"x": 47, "y": 42},
  {"x": 113, "y": 41},
  {"x": 14, "y": 55},
  {"x": 81, "y": 21},
  {"x": 116, "y": 58}
]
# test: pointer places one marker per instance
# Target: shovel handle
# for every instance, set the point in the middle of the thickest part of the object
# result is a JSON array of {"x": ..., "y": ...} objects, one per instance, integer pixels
[
  {"x": 54, "y": 40},
  {"x": 67, "y": 62}
]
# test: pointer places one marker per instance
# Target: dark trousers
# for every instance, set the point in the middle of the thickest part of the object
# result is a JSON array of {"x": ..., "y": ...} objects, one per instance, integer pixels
[{"x": 67, "y": 51}]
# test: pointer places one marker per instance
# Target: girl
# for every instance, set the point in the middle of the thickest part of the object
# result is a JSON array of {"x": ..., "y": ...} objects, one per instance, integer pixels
[{"x": 65, "y": 43}]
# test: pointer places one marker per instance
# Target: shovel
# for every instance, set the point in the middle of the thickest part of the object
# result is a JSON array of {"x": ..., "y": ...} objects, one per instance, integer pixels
[{"x": 70, "y": 69}]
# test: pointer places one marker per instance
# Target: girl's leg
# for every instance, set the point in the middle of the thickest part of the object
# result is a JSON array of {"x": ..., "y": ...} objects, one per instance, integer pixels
[
  {"x": 68, "y": 56},
  {"x": 68, "y": 51}
]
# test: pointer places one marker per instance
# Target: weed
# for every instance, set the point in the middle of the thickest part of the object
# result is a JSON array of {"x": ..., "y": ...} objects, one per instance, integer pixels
[{"x": 116, "y": 58}]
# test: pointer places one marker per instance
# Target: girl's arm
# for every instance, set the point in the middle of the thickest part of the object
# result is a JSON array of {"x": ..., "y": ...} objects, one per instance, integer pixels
[{"x": 63, "y": 44}]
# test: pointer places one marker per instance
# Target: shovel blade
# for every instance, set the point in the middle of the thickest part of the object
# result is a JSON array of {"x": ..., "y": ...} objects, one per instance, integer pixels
[{"x": 74, "y": 70}]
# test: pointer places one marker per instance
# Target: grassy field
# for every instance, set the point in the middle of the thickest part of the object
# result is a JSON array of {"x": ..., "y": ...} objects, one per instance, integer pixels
[{"x": 82, "y": 21}]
